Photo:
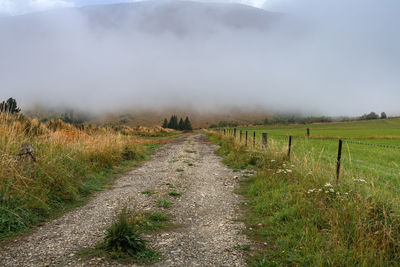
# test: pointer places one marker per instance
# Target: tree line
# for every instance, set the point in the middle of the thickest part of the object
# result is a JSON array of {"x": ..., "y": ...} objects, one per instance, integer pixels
[
  {"x": 9, "y": 106},
  {"x": 181, "y": 125}
]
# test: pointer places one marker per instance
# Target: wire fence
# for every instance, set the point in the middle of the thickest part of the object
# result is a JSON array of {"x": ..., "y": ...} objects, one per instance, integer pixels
[{"x": 332, "y": 150}]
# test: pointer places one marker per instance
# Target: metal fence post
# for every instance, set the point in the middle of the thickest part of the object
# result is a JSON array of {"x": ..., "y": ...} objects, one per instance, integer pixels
[
  {"x": 339, "y": 159},
  {"x": 290, "y": 146},
  {"x": 240, "y": 136},
  {"x": 234, "y": 133},
  {"x": 308, "y": 132},
  {"x": 254, "y": 139},
  {"x": 246, "y": 138}
]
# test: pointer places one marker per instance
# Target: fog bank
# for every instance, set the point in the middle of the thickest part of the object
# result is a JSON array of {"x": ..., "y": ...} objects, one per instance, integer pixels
[{"x": 332, "y": 59}]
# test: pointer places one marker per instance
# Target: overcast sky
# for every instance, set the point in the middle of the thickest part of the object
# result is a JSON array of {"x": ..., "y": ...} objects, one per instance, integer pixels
[{"x": 15, "y": 7}]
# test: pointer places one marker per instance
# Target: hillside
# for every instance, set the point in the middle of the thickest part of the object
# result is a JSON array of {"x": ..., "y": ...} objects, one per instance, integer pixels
[{"x": 181, "y": 18}]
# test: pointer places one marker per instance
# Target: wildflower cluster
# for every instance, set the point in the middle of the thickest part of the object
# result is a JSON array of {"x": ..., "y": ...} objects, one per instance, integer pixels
[
  {"x": 359, "y": 180},
  {"x": 284, "y": 169},
  {"x": 327, "y": 188}
]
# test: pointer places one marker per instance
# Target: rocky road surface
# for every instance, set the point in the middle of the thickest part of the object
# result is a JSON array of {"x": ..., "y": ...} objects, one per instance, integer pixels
[{"x": 206, "y": 231}]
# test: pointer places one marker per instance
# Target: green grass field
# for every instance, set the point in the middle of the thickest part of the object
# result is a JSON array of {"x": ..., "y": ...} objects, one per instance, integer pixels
[{"x": 375, "y": 164}]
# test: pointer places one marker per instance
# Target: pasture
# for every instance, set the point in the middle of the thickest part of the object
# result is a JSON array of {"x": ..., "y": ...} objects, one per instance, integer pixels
[{"x": 364, "y": 155}]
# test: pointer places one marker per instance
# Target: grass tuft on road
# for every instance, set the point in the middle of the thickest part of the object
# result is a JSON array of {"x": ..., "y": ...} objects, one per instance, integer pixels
[
  {"x": 174, "y": 194},
  {"x": 123, "y": 241},
  {"x": 163, "y": 203}
]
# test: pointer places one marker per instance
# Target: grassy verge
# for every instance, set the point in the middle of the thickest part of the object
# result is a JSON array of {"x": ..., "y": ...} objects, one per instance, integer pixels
[
  {"x": 300, "y": 217},
  {"x": 70, "y": 164},
  {"x": 124, "y": 242}
]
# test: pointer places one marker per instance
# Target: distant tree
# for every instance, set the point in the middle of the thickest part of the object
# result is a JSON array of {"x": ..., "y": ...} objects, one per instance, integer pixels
[
  {"x": 188, "y": 124},
  {"x": 181, "y": 125},
  {"x": 72, "y": 117},
  {"x": 370, "y": 116},
  {"x": 383, "y": 115},
  {"x": 9, "y": 106},
  {"x": 165, "y": 123},
  {"x": 173, "y": 122},
  {"x": 222, "y": 124}
]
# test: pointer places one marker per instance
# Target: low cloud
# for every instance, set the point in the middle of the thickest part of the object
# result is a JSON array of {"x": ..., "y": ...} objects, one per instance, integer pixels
[{"x": 337, "y": 59}]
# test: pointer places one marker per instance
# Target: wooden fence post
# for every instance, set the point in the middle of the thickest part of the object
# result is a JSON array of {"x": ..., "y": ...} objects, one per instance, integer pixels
[
  {"x": 240, "y": 136},
  {"x": 234, "y": 133},
  {"x": 308, "y": 132},
  {"x": 224, "y": 131},
  {"x": 254, "y": 139},
  {"x": 339, "y": 159},
  {"x": 290, "y": 146},
  {"x": 264, "y": 140},
  {"x": 246, "y": 139}
]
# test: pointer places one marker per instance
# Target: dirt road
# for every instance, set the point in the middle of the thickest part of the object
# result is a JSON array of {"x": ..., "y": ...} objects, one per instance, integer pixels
[{"x": 205, "y": 214}]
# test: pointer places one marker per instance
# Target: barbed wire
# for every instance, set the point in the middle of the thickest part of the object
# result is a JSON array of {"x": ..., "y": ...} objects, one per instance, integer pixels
[
  {"x": 370, "y": 144},
  {"x": 363, "y": 163},
  {"x": 330, "y": 139}
]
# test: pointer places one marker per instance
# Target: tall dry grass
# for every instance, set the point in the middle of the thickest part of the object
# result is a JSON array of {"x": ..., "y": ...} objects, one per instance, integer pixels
[{"x": 70, "y": 163}]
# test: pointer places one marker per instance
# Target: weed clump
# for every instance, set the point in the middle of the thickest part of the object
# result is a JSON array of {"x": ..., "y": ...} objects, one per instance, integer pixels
[
  {"x": 123, "y": 237},
  {"x": 163, "y": 203},
  {"x": 174, "y": 194},
  {"x": 123, "y": 241}
]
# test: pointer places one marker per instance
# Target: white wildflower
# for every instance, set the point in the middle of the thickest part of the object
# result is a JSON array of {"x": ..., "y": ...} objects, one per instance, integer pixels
[
  {"x": 320, "y": 190},
  {"x": 331, "y": 190},
  {"x": 272, "y": 160},
  {"x": 289, "y": 171},
  {"x": 359, "y": 180},
  {"x": 328, "y": 185}
]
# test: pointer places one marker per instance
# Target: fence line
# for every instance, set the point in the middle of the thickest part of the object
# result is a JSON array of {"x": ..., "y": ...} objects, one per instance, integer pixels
[{"x": 339, "y": 159}]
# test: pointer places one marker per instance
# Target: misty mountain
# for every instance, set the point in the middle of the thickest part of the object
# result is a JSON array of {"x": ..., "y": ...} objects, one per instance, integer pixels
[
  {"x": 204, "y": 56},
  {"x": 180, "y": 18}
]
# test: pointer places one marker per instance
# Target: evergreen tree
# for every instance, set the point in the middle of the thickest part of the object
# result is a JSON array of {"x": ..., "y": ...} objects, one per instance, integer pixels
[
  {"x": 188, "y": 124},
  {"x": 9, "y": 106},
  {"x": 173, "y": 122},
  {"x": 181, "y": 125},
  {"x": 165, "y": 123}
]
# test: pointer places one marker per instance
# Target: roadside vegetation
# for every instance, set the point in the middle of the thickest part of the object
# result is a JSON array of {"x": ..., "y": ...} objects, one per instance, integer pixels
[
  {"x": 299, "y": 216},
  {"x": 124, "y": 241},
  {"x": 49, "y": 167}
]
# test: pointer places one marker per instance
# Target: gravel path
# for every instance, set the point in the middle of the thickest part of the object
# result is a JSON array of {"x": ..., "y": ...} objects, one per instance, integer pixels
[{"x": 205, "y": 214}]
